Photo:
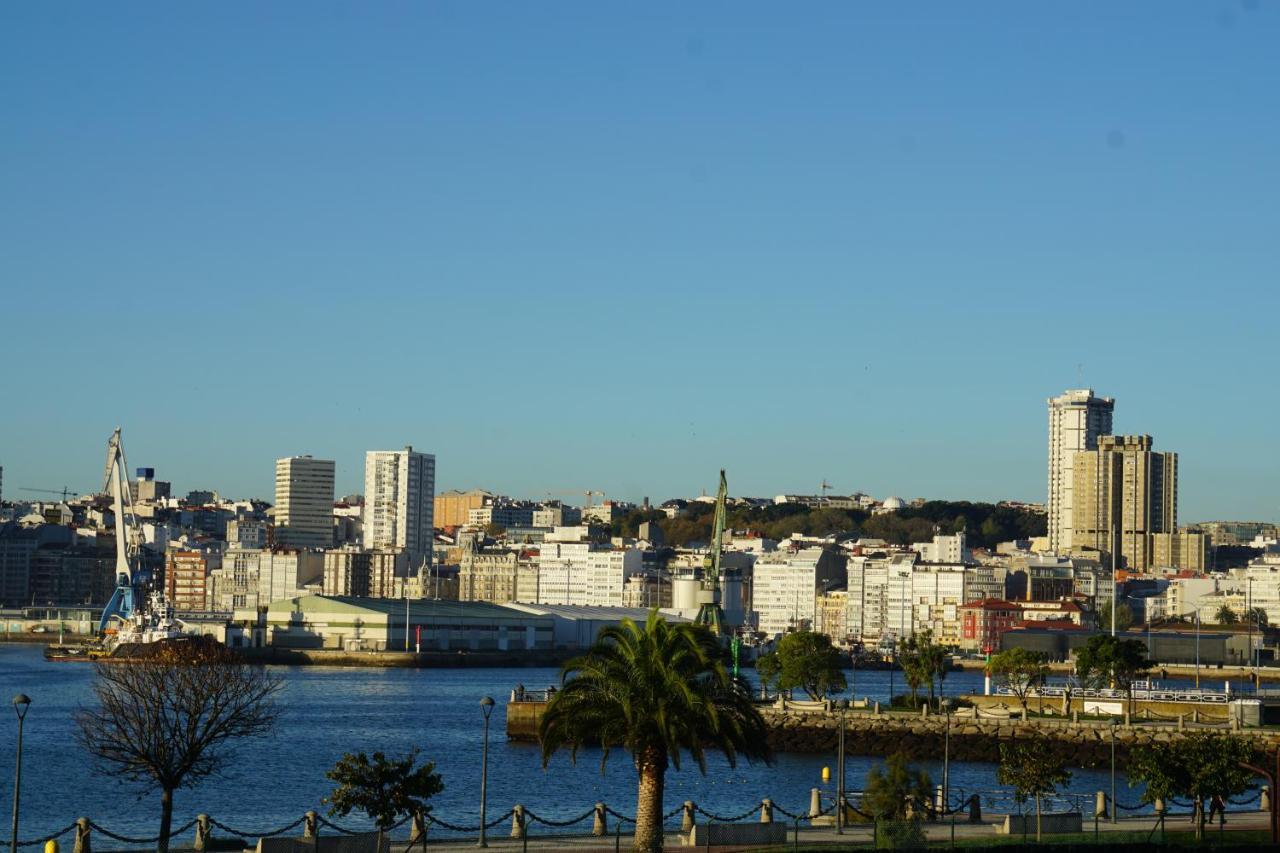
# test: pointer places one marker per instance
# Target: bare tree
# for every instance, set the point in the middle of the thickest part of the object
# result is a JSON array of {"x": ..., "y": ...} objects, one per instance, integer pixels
[{"x": 162, "y": 721}]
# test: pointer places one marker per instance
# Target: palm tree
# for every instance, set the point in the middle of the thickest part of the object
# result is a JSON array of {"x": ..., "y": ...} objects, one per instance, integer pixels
[{"x": 654, "y": 690}]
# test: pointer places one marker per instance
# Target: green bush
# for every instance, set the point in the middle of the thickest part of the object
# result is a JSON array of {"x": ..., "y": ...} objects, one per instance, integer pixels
[{"x": 901, "y": 835}]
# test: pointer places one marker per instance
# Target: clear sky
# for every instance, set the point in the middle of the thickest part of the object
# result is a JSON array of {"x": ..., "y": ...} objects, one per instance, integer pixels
[{"x": 618, "y": 246}]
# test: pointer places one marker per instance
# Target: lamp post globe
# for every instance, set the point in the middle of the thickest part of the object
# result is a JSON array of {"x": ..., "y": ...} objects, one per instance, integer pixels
[
  {"x": 945, "y": 705},
  {"x": 21, "y": 703},
  {"x": 1115, "y": 721},
  {"x": 842, "y": 705},
  {"x": 486, "y": 708}
]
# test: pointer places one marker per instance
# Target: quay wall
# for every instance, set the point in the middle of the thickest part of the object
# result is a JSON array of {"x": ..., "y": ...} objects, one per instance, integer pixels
[
  {"x": 272, "y": 655},
  {"x": 1208, "y": 674},
  {"x": 1082, "y": 744},
  {"x": 1143, "y": 709}
]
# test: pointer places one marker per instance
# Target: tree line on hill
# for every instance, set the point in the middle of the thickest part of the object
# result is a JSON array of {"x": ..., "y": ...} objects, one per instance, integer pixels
[{"x": 984, "y": 524}]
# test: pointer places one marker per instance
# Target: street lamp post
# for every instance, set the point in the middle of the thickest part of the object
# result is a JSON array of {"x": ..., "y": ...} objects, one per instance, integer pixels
[
  {"x": 21, "y": 703},
  {"x": 1113, "y": 770},
  {"x": 946, "y": 755},
  {"x": 486, "y": 707},
  {"x": 843, "y": 705}
]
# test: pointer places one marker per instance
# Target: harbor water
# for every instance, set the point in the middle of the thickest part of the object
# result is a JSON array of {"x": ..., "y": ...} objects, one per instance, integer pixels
[{"x": 271, "y": 781}]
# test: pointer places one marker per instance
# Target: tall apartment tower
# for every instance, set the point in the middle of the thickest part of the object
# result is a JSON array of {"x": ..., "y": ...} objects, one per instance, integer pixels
[
  {"x": 1076, "y": 420},
  {"x": 304, "y": 502},
  {"x": 399, "y": 503},
  {"x": 1125, "y": 494}
]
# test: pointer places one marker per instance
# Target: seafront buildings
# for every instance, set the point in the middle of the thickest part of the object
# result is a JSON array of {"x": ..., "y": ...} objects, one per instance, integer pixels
[{"x": 1112, "y": 506}]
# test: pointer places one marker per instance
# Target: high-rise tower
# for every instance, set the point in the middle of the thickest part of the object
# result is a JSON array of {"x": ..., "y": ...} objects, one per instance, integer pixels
[
  {"x": 1125, "y": 494},
  {"x": 1076, "y": 420},
  {"x": 399, "y": 503},
  {"x": 304, "y": 502}
]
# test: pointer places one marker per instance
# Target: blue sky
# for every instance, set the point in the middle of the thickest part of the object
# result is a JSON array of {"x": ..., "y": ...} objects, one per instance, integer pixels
[{"x": 619, "y": 246}]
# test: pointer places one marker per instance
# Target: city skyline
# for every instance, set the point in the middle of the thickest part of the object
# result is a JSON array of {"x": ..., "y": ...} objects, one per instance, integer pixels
[
  {"x": 342, "y": 478},
  {"x": 625, "y": 248}
]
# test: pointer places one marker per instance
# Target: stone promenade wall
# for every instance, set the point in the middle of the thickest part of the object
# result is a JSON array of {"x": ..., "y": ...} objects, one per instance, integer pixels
[
  {"x": 1084, "y": 744},
  {"x": 1080, "y": 744}
]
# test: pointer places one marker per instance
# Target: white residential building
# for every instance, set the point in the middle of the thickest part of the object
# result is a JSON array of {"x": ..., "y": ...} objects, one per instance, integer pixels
[
  {"x": 937, "y": 592},
  {"x": 246, "y": 533},
  {"x": 883, "y": 607},
  {"x": 943, "y": 549},
  {"x": 255, "y": 578},
  {"x": 1184, "y": 596},
  {"x": 786, "y": 586},
  {"x": 304, "y": 502},
  {"x": 581, "y": 573},
  {"x": 399, "y": 502},
  {"x": 1261, "y": 585},
  {"x": 1076, "y": 419},
  {"x": 556, "y": 515}
]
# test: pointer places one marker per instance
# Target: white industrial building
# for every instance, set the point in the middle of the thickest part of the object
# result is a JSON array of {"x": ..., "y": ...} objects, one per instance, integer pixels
[{"x": 576, "y": 626}]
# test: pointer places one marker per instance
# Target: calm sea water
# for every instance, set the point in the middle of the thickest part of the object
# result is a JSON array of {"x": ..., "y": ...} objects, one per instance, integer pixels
[{"x": 328, "y": 711}]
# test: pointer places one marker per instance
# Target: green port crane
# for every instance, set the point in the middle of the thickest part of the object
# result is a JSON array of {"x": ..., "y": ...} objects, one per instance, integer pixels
[{"x": 710, "y": 613}]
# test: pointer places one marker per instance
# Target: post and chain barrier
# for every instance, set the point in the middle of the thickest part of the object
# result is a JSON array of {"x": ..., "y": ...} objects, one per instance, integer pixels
[
  {"x": 431, "y": 818},
  {"x": 33, "y": 842},
  {"x": 965, "y": 801},
  {"x": 240, "y": 833},
  {"x": 559, "y": 823},
  {"x": 721, "y": 819}
]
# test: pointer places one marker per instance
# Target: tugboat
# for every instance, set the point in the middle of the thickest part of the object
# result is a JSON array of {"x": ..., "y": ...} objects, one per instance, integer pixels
[
  {"x": 129, "y": 629},
  {"x": 146, "y": 628}
]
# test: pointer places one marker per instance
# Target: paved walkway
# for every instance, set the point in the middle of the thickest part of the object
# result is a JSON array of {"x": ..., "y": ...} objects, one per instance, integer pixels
[{"x": 857, "y": 835}]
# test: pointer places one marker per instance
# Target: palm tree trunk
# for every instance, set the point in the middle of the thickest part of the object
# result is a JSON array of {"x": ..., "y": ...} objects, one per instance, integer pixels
[
  {"x": 166, "y": 820},
  {"x": 1037, "y": 818},
  {"x": 652, "y": 766}
]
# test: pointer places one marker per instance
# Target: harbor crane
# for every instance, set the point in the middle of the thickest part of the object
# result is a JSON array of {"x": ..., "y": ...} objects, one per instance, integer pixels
[
  {"x": 709, "y": 612},
  {"x": 130, "y": 581}
]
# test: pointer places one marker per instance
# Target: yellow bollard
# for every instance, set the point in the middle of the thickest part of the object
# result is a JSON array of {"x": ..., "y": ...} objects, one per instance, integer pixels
[
  {"x": 51, "y": 846},
  {"x": 826, "y": 774}
]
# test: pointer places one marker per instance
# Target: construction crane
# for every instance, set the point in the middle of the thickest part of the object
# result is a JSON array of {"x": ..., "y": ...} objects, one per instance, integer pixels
[
  {"x": 589, "y": 493},
  {"x": 825, "y": 487},
  {"x": 64, "y": 492}
]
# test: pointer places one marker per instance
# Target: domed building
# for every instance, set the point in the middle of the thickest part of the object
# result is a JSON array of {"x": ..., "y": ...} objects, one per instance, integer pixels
[{"x": 891, "y": 504}]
